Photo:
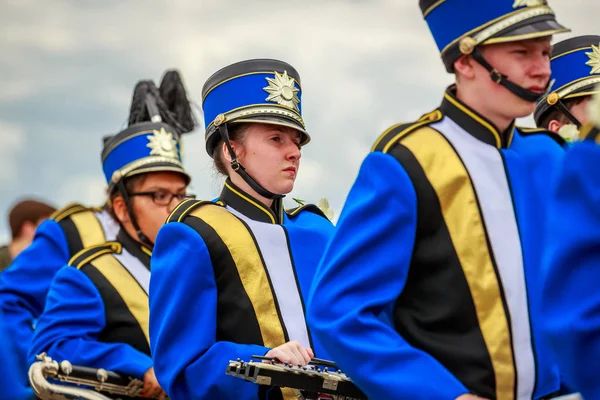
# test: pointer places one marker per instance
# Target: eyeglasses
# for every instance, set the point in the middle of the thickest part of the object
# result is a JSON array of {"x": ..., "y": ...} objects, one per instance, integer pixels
[{"x": 164, "y": 197}]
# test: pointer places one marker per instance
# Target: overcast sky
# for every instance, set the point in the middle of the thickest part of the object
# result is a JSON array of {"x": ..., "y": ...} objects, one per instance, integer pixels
[{"x": 67, "y": 70}]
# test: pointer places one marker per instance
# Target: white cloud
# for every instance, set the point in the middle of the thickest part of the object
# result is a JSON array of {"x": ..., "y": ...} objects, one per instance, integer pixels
[{"x": 12, "y": 141}]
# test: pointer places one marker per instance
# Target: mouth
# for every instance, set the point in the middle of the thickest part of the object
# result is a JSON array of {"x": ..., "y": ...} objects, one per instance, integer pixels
[
  {"x": 291, "y": 170},
  {"x": 537, "y": 89}
]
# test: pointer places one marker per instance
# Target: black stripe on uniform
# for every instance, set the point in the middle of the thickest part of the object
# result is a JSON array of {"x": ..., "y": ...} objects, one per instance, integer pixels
[
  {"x": 121, "y": 326},
  {"x": 444, "y": 326},
  {"x": 234, "y": 308}
]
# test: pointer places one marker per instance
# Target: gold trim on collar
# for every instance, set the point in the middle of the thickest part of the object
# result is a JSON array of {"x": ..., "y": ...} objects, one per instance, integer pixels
[
  {"x": 254, "y": 203},
  {"x": 476, "y": 118}
]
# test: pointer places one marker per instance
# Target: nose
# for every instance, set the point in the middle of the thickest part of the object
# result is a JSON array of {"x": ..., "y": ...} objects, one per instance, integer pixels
[
  {"x": 542, "y": 68},
  {"x": 294, "y": 153},
  {"x": 174, "y": 202}
]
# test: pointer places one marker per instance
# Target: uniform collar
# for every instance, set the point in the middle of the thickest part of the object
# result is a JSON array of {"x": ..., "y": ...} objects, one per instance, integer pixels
[
  {"x": 252, "y": 208},
  {"x": 473, "y": 122},
  {"x": 134, "y": 247}
]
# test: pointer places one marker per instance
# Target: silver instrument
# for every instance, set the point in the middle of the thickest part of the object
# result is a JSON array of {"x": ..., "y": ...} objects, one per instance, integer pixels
[{"x": 78, "y": 382}]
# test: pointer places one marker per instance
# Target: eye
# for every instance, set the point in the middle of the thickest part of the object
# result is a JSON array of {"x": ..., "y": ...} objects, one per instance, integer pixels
[
  {"x": 160, "y": 195},
  {"x": 276, "y": 139},
  {"x": 519, "y": 52}
]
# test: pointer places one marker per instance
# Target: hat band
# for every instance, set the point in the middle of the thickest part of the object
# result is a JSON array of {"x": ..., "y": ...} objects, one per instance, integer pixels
[
  {"x": 127, "y": 169},
  {"x": 572, "y": 87},
  {"x": 244, "y": 112},
  {"x": 469, "y": 42}
]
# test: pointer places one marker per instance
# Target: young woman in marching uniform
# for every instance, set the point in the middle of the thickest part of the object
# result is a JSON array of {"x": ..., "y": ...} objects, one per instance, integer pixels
[
  {"x": 96, "y": 314},
  {"x": 435, "y": 262},
  {"x": 66, "y": 232},
  {"x": 230, "y": 278}
]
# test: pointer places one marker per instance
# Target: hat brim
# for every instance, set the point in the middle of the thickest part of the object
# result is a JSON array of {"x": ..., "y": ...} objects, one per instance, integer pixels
[
  {"x": 537, "y": 27},
  {"x": 587, "y": 90}
]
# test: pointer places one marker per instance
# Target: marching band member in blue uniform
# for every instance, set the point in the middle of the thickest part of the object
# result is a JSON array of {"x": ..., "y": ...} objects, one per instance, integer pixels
[
  {"x": 575, "y": 67},
  {"x": 97, "y": 312},
  {"x": 571, "y": 300},
  {"x": 11, "y": 383},
  {"x": 429, "y": 288},
  {"x": 67, "y": 231},
  {"x": 242, "y": 265}
]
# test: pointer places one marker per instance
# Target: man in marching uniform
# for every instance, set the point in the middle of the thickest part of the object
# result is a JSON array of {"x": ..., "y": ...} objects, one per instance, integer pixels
[
  {"x": 571, "y": 299},
  {"x": 24, "y": 286},
  {"x": 429, "y": 288},
  {"x": 575, "y": 67},
  {"x": 97, "y": 313}
]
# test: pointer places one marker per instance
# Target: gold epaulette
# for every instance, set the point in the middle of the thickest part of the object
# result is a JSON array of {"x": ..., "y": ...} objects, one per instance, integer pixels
[
  {"x": 292, "y": 212},
  {"x": 393, "y": 134},
  {"x": 91, "y": 253},
  {"x": 186, "y": 207},
  {"x": 69, "y": 210}
]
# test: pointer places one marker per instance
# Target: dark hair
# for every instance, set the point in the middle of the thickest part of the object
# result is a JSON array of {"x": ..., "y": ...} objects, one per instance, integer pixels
[
  {"x": 237, "y": 132},
  {"x": 130, "y": 184},
  {"x": 27, "y": 211},
  {"x": 555, "y": 114}
]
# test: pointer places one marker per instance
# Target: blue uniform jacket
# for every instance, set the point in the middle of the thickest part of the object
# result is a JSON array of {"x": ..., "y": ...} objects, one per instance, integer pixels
[
  {"x": 571, "y": 298},
  {"x": 390, "y": 285},
  {"x": 96, "y": 313},
  {"x": 201, "y": 317},
  {"x": 24, "y": 285}
]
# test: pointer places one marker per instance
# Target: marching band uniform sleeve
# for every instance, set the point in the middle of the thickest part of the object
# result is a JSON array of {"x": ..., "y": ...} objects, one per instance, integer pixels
[
  {"x": 189, "y": 362},
  {"x": 12, "y": 388},
  {"x": 571, "y": 298},
  {"x": 361, "y": 275},
  {"x": 24, "y": 285},
  {"x": 70, "y": 326}
]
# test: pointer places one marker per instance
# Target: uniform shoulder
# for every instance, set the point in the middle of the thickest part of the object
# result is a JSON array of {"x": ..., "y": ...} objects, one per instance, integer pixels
[
  {"x": 188, "y": 207},
  {"x": 70, "y": 210},
  {"x": 306, "y": 208},
  {"x": 89, "y": 254},
  {"x": 396, "y": 132},
  {"x": 529, "y": 132}
]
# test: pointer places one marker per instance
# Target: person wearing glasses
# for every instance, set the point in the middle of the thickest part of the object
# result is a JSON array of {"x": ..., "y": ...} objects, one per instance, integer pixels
[
  {"x": 243, "y": 265},
  {"x": 97, "y": 313},
  {"x": 64, "y": 234}
]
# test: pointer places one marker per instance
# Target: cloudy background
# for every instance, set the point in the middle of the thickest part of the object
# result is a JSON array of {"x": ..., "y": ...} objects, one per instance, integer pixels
[{"x": 67, "y": 69}]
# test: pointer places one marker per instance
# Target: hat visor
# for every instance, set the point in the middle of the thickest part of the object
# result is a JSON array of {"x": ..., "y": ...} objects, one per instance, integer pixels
[{"x": 534, "y": 28}]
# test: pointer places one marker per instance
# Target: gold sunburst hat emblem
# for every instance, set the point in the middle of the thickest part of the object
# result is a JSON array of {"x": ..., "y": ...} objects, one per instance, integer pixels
[
  {"x": 282, "y": 90},
  {"x": 162, "y": 143},
  {"x": 594, "y": 61},
  {"x": 528, "y": 3}
]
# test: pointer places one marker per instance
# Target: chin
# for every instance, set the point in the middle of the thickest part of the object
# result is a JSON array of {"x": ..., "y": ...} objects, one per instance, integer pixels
[{"x": 524, "y": 110}]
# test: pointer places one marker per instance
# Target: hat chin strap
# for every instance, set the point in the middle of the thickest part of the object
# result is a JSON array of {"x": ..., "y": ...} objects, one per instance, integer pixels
[
  {"x": 503, "y": 80},
  {"x": 143, "y": 238},
  {"x": 567, "y": 113},
  {"x": 241, "y": 171}
]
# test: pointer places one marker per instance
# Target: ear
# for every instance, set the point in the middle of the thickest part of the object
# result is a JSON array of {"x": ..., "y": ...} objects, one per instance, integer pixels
[
  {"x": 120, "y": 209},
  {"x": 464, "y": 67},
  {"x": 28, "y": 229},
  {"x": 554, "y": 126},
  {"x": 225, "y": 151}
]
